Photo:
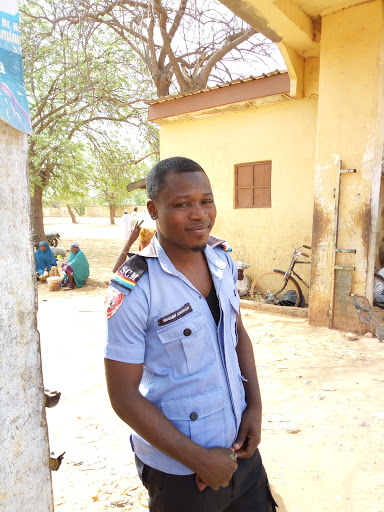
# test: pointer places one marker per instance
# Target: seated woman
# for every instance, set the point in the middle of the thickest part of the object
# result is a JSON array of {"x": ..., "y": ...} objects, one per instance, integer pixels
[
  {"x": 77, "y": 268},
  {"x": 46, "y": 265}
]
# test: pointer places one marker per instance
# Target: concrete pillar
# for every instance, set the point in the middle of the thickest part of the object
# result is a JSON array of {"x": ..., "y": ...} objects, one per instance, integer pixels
[
  {"x": 25, "y": 479},
  {"x": 350, "y": 128}
]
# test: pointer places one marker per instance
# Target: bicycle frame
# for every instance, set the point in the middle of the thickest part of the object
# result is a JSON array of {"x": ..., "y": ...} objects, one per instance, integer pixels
[
  {"x": 297, "y": 275},
  {"x": 296, "y": 254}
]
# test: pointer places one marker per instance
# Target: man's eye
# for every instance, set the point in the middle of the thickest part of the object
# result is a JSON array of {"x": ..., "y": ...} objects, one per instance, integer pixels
[
  {"x": 208, "y": 201},
  {"x": 181, "y": 205}
]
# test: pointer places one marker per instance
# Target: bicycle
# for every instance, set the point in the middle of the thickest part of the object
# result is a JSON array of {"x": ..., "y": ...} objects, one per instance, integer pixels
[{"x": 269, "y": 287}]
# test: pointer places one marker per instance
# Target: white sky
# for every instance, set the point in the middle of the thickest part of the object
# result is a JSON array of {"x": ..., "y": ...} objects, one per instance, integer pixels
[{"x": 9, "y": 6}]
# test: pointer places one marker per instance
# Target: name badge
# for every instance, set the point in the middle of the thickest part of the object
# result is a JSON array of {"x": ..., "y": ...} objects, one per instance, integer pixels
[{"x": 172, "y": 317}]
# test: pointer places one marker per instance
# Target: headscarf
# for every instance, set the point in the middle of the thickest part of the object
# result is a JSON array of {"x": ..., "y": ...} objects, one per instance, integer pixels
[
  {"x": 44, "y": 259},
  {"x": 80, "y": 266}
]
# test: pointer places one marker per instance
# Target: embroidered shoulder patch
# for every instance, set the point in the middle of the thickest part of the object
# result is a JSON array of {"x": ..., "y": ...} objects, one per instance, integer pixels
[
  {"x": 130, "y": 272},
  {"x": 113, "y": 300},
  {"x": 226, "y": 247}
]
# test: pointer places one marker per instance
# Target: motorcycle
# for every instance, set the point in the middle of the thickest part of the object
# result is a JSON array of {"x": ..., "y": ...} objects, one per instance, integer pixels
[{"x": 53, "y": 238}]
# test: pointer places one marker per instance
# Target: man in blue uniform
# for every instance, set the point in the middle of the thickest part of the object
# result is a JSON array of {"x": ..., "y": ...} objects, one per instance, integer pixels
[{"x": 179, "y": 363}]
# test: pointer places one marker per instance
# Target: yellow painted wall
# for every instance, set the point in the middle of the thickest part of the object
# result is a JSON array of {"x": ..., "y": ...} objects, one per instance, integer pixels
[
  {"x": 350, "y": 128},
  {"x": 350, "y": 46},
  {"x": 284, "y": 133}
]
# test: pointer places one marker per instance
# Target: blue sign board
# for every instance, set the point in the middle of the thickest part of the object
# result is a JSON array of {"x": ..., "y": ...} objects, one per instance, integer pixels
[{"x": 13, "y": 98}]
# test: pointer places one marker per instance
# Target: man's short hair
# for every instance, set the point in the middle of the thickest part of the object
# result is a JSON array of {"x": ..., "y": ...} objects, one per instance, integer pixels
[{"x": 158, "y": 174}]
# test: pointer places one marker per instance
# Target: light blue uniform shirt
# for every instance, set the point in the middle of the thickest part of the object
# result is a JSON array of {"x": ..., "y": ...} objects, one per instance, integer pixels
[{"x": 191, "y": 371}]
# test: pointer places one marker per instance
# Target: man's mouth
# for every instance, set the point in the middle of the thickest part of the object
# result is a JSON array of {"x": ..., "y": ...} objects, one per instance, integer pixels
[{"x": 198, "y": 228}]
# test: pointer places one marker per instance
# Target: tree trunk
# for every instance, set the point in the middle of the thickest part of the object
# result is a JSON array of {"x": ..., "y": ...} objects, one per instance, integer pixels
[
  {"x": 37, "y": 213},
  {"x": 163, "y": 85},
  {"x": 112, "y": 211},
  {"x": 70, "y": 211}
]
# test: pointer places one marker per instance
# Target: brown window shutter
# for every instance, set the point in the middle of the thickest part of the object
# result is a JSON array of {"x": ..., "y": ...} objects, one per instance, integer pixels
[
  {"x": 244, "y": 185},
  {"x": 253, "y": 185}
]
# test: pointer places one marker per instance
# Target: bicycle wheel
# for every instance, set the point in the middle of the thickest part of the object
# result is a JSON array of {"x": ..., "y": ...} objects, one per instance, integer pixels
[{"x": 270, "y": 288}]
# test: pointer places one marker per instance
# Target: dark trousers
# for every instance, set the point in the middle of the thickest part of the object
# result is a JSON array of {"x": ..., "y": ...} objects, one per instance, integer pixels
[{"x": 248, "y": 490}]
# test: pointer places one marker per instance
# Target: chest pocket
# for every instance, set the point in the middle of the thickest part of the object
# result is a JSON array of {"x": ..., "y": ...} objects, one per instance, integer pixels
[{"x": 188, "y": 345}]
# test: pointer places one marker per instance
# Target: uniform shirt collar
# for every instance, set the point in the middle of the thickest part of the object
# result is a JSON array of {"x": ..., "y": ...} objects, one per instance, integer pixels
[
  {"x": 151, "y": 250},
  {"x": 154, "y": 250}
]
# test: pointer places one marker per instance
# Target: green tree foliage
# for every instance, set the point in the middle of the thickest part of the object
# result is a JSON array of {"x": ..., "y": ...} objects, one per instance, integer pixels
[
  {"x": 78, "y": 87},
  {"x": 80, "y": 205},
  {"x": 138, "y": 197},
  {"x": 88, "y": 67},
  {"x": 70, "y": 186},
  {"x": 112, "y": 168}
]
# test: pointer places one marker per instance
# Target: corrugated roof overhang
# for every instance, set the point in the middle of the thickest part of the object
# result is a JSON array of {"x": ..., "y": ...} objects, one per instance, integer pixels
[
  {"x": 233, "y": 96},
  {"x": 137, "y": 184}
]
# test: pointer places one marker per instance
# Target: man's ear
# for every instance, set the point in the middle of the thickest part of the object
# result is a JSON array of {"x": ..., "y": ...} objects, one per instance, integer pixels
[{"x": 152, "y": 210}]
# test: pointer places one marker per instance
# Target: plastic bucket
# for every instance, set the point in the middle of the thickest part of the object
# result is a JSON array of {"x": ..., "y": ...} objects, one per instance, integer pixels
[{"x": 53, "y": 283}]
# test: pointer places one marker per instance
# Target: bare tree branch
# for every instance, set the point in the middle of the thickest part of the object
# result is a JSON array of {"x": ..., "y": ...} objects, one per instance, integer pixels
[
  {"x": 180, "y": 45},
  {"x": 146, "y": 156}
]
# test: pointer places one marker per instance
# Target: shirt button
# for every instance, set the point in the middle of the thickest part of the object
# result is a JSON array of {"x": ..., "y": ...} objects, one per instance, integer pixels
[
  {"x": 187, "y": 332},
  {"x": 193, "y": 416}
]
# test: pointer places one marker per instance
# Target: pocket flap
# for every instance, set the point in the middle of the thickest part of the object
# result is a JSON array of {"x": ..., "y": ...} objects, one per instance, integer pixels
[
  {"x": 203, "y": 405},
  {"x": 181, "y": 328}
]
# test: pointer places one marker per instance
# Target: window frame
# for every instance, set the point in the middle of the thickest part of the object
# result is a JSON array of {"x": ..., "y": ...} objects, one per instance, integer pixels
[{"x": 236, "y": 187}]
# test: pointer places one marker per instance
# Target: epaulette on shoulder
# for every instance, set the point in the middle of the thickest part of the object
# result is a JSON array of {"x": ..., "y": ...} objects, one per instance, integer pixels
[
  {"x": 217, "y": 242},
  {"x": 130, "y": 272}
]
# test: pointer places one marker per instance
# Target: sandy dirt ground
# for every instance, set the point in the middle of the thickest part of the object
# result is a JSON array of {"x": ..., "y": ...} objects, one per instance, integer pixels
[{"x": 323, "y": 401}]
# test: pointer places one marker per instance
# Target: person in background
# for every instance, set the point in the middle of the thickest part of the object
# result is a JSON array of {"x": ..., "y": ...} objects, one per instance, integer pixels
[
  {"x": 148, "y": 229},
  {"x": 77, "y": 269},
  {"x": 126, "y": 247},
  {"x": 134, "y": 217},
  {"x": 146, "y": 235},
  {"x": 46, "y": 265},
  {"x": 125, "y": 225}
]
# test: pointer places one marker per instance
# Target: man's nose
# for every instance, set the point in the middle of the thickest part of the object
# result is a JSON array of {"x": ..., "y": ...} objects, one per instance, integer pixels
[{"x": 197, "y": 212}]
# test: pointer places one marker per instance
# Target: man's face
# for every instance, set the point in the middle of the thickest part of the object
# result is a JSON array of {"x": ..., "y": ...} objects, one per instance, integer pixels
[
  {"x": 74, "y": 250},
  {"x": 43, "y": 248},
  {"x": 185, "y": 211}
]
